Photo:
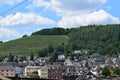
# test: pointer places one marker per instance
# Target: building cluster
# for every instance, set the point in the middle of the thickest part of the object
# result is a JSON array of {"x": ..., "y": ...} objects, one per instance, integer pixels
[{"x": 85, "y": 67}]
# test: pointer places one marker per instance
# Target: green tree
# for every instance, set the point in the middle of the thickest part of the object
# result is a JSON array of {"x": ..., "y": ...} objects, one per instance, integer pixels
[
  {"x": 23, "y": 58},
  {"x": 2, "y": 57},
  {"x": 60, "y": 48},
  {"x": 32, "y": 56},
  {"x": 33, "y": 75},
  {"x": 25, "y": 36},
  {"x": 54, "y": 56},
  {"x": 105, "y": 71},
  {"x": 10, "y": 58},
  {"x": 52, "y": 31},
  {"x": 50, "y": 48},
  {"x": 87, "y": 65},
  {"x": 43, "y": 53},
  {"x": 116, "y": 71},
  {"x": 1, "y": 41}
]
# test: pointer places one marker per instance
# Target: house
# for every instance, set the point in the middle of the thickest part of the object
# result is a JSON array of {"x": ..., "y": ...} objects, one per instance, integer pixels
[
  {"x": 8, "y": 64},
  {"x": 41, "y": 61},
  {"x": 61, "y": 57},
  {"x": 4, "y": 78},
  {"x": 75, "y": 70},
  {"x": 77, "y": 52},
  {"x": 99, "y": 61},
  {"x": 55, "y": 72},
  {"x": 50, "y": 72},
  {"x": 19, "y": 71},
  {"x": 59, "y": 62},
  {"x": 89, "y": 76},
  {"x": 79, "y": 78},
  {"x": 68, "y": 62},
  {"x": 85, "y": 51},
  {"x": 97, "y": 55},
  {"x": 30, "y": 69},
  {"x": 7, "y": 71},
  {"x": 43, "y": 72},
  {"x": 68, "y": 71}
]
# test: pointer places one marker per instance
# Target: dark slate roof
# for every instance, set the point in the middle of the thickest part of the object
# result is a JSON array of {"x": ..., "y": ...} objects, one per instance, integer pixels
[
  {"x": 8, "y": 64},
  {"x": 89, "y": 73},
  {"x": 7, "y": 68},
  {"x": 100, "y": 61}
]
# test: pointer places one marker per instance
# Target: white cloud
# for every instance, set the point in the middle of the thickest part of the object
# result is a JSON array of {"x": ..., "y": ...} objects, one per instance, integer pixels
[
  {"x": 97, "y": 17},
  {"x": 24, "y": 19},
  {"x": 82, "y": 12},
  {"x": 39, "y": 3},
  {"x": 6, "y": 34},
  {"x": 76, "y": 5},
  {"x": 23, "y": 23},
  {"x": 63, "y": 6},
  {"x": 78, "y": 12}
]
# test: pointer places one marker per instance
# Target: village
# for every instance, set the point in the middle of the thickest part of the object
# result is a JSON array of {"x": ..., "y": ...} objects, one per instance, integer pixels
[{"x": 80, "y": 68}]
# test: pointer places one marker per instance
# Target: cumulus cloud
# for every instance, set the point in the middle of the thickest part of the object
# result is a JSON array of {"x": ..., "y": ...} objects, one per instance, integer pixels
[
  {"x": 6, "y": 34},
  {"x": 76, "y": 5},
  {"x": 40, "y": 3},
  {"x": 96, "y": 17},
  {"x": 23, "y": 19},
  {"x": 63, "y": 6},
  {"x": 23, "y": 23},
  {"x": 79, "y": 12},
  {"x": 82, "y": 12}
]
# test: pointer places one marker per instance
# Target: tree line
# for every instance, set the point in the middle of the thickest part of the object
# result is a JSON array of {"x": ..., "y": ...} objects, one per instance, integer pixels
[{"x": 52, "y": 31}]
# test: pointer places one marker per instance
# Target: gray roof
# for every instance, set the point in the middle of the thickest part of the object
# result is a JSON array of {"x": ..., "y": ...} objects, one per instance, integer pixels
[
  {"x": 54, "y": 67},
  {"x": 7, "y": 68},
  {"x": 33, "y": 66}
]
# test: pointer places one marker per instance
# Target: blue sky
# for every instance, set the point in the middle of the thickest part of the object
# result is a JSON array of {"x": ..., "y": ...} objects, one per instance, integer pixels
[{"x": 19, "y": 17}]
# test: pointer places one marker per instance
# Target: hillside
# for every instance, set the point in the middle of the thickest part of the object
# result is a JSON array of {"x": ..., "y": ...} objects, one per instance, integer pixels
[
  {"x": 26, "y": 45},
  {"x": 104, "y": 39}
]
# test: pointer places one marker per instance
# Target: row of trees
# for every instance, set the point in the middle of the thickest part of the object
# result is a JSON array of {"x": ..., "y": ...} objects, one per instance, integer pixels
[
  {"x": 53, "y": 31},
  {"x": 108, "y": 72},
  {"x": 52, "y": 52}
]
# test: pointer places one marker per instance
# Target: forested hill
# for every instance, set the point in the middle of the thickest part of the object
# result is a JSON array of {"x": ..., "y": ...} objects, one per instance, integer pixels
[
  {"x": 97, "y": 38},
  {"x": 104, "y": 39}
]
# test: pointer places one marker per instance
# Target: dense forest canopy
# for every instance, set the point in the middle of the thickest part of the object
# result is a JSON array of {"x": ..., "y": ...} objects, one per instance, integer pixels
[
  {"x": 52, "y": 31},
  {"x": 97, "y": 38}
]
